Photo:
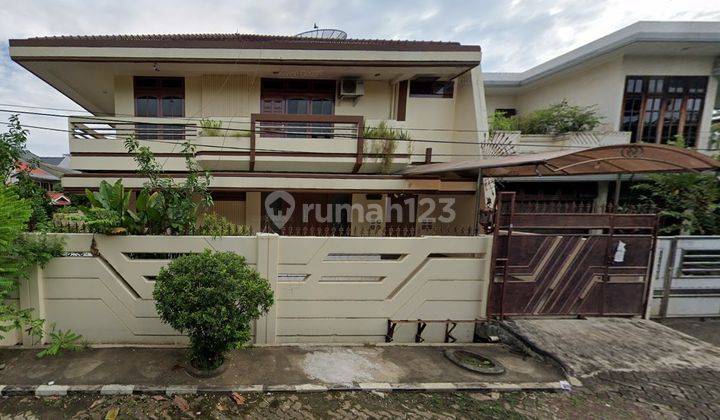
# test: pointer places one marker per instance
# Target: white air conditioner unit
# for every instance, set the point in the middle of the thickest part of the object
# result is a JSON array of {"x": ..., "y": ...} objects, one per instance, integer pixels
[{"x": 351, "y": 88}]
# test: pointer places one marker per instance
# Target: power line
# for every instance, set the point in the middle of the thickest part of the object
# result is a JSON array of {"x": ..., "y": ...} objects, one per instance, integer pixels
[
  {"x": 101, "y": 114},
  {"x": 266, "y": 131},
  {"x": 256, "y": 149}
]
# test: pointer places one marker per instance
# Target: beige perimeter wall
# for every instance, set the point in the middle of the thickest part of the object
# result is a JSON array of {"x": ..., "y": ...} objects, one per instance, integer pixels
[{"x": 326, "y": 289}]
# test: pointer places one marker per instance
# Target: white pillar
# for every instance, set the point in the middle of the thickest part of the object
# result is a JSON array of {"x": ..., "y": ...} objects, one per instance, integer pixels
[
  {"x": 267, "y": 266},
  {"x": 32, "y": 296}
]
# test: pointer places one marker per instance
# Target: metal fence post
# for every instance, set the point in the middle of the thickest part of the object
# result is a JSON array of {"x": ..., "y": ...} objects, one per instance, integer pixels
[{"x": 669, "y": 273}]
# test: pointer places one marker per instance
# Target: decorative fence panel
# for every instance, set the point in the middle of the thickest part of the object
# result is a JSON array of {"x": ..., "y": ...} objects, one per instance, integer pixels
[
  {"x": 686, "y": 277},
  {"x": 327, "y": 289}
]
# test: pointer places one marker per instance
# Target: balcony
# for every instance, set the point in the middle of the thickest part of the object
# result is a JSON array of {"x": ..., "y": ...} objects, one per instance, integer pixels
[
  {"x": 262, "y": 143},
  {"x": 514, "y": 142}
]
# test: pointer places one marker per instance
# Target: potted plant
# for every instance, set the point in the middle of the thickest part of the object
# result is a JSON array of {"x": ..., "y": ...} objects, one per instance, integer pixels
[{"x": 212, "y": 297}]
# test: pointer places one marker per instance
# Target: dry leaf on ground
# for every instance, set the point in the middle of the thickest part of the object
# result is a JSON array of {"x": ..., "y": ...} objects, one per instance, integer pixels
[
  {"x": 239, "y": 399},
  {"x": 112, "y": 413},
  {"x": 181, "y": 403}
]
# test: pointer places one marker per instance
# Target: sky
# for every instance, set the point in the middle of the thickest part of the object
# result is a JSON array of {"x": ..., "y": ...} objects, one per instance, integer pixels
[{"x": 514, "y": 34}]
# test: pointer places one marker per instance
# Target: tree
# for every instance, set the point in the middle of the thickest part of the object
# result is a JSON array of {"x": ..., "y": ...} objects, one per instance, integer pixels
[
  {"x": 12, "y": 145},
  {"x": 14, "y": 263},
  {"x": 20, "y": 204},
  {"x": 211, "y": 297},
  {"x": 687, "y": 203}
]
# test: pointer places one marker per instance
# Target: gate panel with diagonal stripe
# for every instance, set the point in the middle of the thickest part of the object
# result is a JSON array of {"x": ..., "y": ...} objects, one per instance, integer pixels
[{"x": 564, "y": 264}]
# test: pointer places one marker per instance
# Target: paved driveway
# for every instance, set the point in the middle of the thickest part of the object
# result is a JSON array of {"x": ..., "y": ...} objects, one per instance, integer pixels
[{"x": 634, "y": 359}]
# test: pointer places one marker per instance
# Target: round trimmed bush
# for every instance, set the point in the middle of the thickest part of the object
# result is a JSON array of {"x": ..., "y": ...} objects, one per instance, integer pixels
[{"x": 212, "y": 297}]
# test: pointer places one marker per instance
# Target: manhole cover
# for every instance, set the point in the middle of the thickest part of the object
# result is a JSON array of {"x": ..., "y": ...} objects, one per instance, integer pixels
[{"x": 475, "y": 362}]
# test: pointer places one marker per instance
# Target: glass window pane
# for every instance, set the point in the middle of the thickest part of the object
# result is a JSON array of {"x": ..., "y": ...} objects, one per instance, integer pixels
[
  {"x": 297, "y": 106},
  {"x": 322, "y": 107},
  {"x": 172, "y": 106},
  {"x": 146, "y": 106}
]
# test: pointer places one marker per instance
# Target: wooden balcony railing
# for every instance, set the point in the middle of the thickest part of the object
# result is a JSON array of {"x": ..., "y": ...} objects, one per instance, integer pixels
[
  {"x": 338, "y": 136},
  {"x": 307, "y": 127},
  {"x": 113, "y": 128}
]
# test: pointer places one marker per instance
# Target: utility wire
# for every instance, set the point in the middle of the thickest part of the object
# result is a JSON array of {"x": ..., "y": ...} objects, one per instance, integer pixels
[
  {"x": 194, "y": 118},
  {"x": 256, "y": 149},
  {"x": 268, "y": 131}
]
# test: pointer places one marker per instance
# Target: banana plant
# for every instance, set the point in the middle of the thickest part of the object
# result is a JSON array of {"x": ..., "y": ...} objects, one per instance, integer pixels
[
  {"x": 151, "y": 212},
  {"x": 110, "y": 210}
]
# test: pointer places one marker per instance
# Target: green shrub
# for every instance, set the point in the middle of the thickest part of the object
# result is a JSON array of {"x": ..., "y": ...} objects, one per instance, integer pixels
[
  {"x": 687, "y": 203},
  {"x": 559, "y": 118},
  {"x": 211, "y": 297},
  {"x": 217, "y": 225},
  {"x": 498, "y": 121},
  {"x": 110, "y": 210},
  {"x": 210, "y": 128},
  {"x": 39, "y": 200},
  {"x": 382, "y": 141},
  {"x": 62, "y": 340},
  {"x": 164, "y": 205}
]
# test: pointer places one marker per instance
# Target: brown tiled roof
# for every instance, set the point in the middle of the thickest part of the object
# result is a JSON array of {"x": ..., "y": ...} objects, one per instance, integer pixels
[{"x": 238, "y": 41}]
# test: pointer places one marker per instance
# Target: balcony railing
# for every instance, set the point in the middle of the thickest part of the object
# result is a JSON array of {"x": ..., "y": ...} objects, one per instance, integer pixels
[
  {"x": 306, "y": 126},
  {"x": 346, "y": 128},
  {"x": 112, "y": 128}
]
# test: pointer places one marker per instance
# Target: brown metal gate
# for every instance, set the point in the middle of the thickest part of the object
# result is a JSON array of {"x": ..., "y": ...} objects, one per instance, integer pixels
[{"x": 564, "y": 264}]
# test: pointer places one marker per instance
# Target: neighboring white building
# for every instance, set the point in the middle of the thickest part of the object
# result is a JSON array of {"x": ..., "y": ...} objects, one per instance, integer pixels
[{"x": 652, "y": 79}]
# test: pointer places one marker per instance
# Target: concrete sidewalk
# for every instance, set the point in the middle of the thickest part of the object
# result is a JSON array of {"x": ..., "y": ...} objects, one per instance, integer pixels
[{"x": 285, "y": 368}]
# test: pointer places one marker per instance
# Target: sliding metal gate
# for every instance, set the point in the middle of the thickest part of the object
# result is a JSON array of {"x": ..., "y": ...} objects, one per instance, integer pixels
[{"x": 569, "y": 264}]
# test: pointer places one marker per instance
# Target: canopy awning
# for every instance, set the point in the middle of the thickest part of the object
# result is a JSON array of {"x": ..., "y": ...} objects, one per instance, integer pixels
[{"x": 616, "y": 159}]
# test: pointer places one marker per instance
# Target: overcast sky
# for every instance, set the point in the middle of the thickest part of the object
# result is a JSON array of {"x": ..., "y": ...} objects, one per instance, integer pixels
[{"x": 514, "y": 35}]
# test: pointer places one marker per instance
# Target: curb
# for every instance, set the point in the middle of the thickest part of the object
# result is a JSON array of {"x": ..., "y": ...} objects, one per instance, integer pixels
[
  {"x": 170, "y": 390},
  {"x": 542, "y": 353}
]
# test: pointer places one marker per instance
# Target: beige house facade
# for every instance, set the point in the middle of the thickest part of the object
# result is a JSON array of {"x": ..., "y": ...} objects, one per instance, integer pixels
[{"x": 295, "y": 114}]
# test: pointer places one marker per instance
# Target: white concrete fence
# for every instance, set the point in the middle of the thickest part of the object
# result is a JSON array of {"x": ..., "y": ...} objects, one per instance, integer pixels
[
  {"x": 327, "y": 289},
  {"x": 686, "y": 277}
]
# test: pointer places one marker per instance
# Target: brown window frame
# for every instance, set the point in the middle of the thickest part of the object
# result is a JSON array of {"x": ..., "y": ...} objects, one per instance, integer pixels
[
  {"x": 437, "y": 89},
  {"x": 669, "y": 97},
  {"x": 160, "y": 88},
  {"x": 289, "y": 89},
  {"x": 159, "y": 91},
  {"x": 279, "y": 92}
]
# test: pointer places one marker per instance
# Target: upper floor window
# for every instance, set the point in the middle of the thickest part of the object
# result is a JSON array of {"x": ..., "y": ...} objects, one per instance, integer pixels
[
  {"x": 431, "y": 88},
  {"x": 159, "y": 96},
  {"x": 297, "y": 96},
  {"x": 657, "y": 109}
]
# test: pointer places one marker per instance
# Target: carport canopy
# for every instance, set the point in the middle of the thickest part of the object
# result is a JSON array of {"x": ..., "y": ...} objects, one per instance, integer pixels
[{"x": 615, "y": 159}]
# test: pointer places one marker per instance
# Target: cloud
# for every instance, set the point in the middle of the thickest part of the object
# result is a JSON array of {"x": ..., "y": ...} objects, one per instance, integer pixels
[{"x": 515, "y": 35}]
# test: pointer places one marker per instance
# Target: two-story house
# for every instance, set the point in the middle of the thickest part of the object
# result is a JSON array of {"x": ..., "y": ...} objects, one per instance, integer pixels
[{"x": 271, "y": 113}]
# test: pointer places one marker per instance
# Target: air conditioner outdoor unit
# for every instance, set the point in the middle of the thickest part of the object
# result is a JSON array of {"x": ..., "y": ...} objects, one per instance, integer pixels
[{"x": 351, "y": 88}]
